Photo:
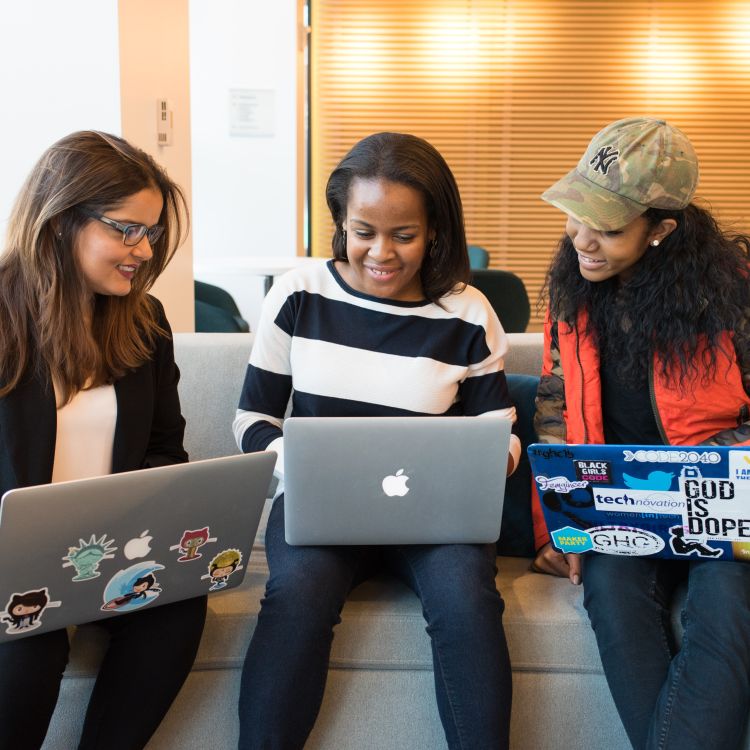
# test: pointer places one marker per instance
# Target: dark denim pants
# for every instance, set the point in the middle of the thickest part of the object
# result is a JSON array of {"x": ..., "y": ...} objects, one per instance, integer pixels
[
  {"x": 150, "y": 653},
  {"x": 693, "y": 697},
  {"x": 285, "y": 669}
]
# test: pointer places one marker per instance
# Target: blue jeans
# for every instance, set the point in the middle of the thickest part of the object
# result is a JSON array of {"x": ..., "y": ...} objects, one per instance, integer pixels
[
  {"x": 691, "y": 698},
  {"x": 284, "y": 674}
]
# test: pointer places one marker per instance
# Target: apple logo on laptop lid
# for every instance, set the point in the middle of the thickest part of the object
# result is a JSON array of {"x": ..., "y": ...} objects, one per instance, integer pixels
[
  {"x": 394, "y": 485},
  {"x": 138, "y": 547}
]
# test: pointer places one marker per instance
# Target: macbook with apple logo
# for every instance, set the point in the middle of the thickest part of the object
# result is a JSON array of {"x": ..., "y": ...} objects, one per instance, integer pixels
[
  {"x": 75, "y": 552},
  {"x": 394, "y": 480}
]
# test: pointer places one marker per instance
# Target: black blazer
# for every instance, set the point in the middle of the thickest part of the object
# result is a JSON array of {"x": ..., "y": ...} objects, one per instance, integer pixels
[{"x": 148, "y": 432}]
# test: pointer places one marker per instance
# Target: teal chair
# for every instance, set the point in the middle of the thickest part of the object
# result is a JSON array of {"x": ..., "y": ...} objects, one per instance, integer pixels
[
  {"x": 478, "y": 257},
  {"x": 507, "y": 294},
  {"x": 216, "y": 311}
]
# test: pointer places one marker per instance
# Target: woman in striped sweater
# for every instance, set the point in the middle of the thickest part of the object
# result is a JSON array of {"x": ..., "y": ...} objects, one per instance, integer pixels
[{"x": 388, "y": 327}]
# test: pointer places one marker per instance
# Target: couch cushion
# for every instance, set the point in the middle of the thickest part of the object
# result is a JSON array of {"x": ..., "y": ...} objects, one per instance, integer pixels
[{"x": 212, "y": 369}]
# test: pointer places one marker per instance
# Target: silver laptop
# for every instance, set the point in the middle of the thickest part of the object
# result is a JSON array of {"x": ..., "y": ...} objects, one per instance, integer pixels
[
  {"x": 394, "y": 480},
  {"x": 79, "y": 551}
]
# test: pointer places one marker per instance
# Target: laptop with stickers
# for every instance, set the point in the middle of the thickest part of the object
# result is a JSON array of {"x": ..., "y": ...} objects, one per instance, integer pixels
[
  {"x": 674, "y": 502},
  {"x": 394, "y": 480},
  {"x": 75, "y": 552}
]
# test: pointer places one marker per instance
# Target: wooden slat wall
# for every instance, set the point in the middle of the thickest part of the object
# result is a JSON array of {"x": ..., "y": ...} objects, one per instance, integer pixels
[{"x": 511, "y": 92}]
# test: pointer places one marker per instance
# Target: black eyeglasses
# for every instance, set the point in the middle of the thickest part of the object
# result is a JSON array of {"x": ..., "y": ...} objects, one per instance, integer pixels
[{"x": 132, "y": 234}]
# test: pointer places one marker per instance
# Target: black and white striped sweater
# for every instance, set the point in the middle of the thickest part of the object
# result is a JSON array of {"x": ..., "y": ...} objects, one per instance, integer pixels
[{"x": 338, "y": 352}]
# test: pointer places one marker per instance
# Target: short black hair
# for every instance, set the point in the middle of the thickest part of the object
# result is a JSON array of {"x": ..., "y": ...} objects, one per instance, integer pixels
[
  {"x": 412, "y": 161},
  {"x": 149, "y": 579}
]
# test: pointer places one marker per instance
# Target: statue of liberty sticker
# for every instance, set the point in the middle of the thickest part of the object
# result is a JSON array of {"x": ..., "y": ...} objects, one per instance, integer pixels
[{"x": 85, "y": 558}]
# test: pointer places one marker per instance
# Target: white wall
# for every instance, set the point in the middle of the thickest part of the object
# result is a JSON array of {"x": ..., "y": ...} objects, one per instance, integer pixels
[
  {"x": 244, "y": 188},
  {"x": 59, "y": 72}
]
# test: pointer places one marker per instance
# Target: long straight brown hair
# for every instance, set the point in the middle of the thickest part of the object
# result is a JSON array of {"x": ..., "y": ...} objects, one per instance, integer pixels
[{"x": 44, "y": 299}]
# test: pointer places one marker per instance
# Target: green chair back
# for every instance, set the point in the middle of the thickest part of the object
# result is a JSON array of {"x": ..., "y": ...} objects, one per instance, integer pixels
[
  {"x": 507, "y": 295},
  {"x": 216, "y": 311},
  {"x": 478, "y": 257}
]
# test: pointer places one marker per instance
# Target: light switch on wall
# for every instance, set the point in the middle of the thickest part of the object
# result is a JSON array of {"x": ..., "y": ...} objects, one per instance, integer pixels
[{"x": 164, "y": 122}]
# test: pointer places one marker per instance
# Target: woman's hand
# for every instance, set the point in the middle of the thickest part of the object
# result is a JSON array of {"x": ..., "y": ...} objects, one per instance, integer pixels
[{"x": 554, "y": 563}]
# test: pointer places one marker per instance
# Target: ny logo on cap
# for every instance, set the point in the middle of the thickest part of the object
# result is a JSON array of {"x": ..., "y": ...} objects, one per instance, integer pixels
[{"x": 604, "y": 159}]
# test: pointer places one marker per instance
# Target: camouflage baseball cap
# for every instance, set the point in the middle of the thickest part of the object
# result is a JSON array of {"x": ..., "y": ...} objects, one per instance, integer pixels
[{"x": 629, "y": 166}]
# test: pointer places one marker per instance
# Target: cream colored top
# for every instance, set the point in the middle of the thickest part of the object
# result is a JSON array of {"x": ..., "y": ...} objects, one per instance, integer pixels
[{"x": 85, "y": 435}]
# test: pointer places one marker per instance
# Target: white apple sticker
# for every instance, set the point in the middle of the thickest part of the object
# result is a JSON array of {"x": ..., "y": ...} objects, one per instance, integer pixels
[
  {"x": 138, "y": 547},
  {"x": 394, "y": 485}
]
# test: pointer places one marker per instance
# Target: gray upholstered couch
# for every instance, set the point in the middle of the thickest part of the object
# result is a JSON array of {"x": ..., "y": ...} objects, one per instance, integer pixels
[{"x": 380, "y": 691}]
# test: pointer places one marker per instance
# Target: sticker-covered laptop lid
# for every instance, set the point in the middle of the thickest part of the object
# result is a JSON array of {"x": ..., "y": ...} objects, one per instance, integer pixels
[
  {"x": 79, "y": 551},
  {"x": 647, "y": 501}
]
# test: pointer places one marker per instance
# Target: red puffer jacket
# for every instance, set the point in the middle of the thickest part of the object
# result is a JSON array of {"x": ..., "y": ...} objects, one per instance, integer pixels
[{"x": 569, "y": 407}]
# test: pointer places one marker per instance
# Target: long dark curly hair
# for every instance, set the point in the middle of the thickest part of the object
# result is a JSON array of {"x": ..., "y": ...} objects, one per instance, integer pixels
[{"x": 681, "y": 295}]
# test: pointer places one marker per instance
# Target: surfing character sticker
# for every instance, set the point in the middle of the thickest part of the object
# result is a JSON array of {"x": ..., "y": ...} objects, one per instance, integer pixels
[
  {"x": 222, "y": 566},
  {"x": 132, "y": 588},
  {"x": 85, "y": 558},
  {"x": 191, "y": 541},
  {"x": 23, "y": 613}
]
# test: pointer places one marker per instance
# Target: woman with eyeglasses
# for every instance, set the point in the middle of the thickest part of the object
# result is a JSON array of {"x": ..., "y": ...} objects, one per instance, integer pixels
[{"x": 88, "y": 386}]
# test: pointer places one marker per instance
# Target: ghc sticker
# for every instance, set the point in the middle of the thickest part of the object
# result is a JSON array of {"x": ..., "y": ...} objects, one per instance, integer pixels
[{"x": 625, "y": 540}]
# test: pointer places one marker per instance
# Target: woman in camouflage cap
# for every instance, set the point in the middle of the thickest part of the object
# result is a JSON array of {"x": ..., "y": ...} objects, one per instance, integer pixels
[{"x": 647, "y": 342}]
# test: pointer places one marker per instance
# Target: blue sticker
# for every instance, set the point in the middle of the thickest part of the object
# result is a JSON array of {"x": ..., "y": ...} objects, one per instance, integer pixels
[
  {"x": 656, "y": 480},
  {"x": 569, "y": 539},
  {"x": 132, "y": 588}
]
